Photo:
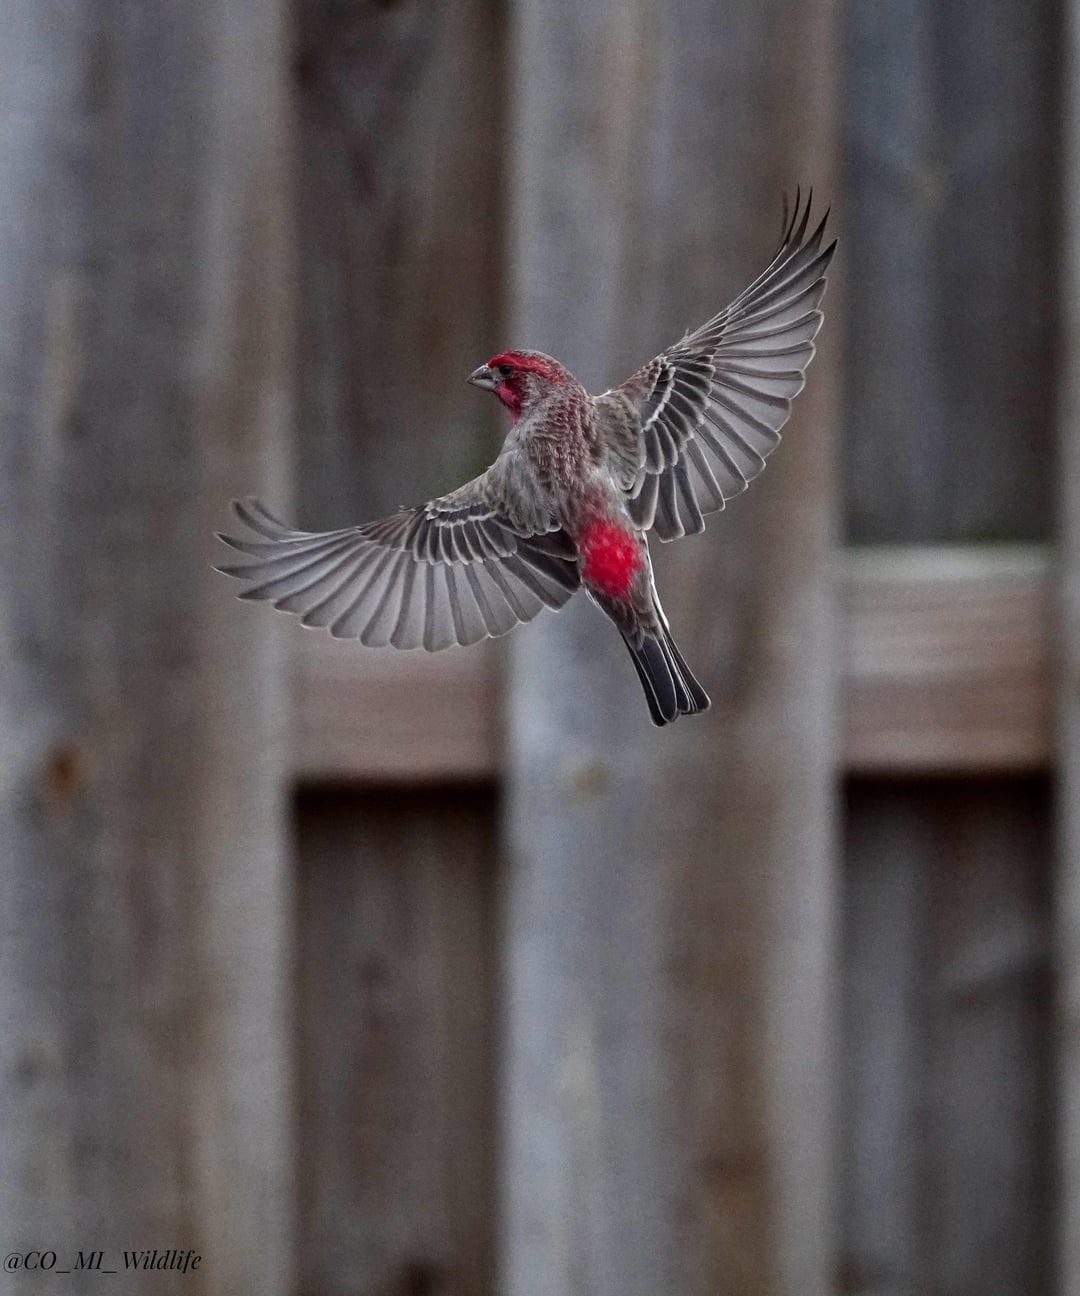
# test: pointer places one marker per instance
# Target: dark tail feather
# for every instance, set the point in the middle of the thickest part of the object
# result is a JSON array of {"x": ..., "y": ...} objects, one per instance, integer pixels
[
  {"x": 698, "y": 698},
  {"x": 670, "y": 687}
]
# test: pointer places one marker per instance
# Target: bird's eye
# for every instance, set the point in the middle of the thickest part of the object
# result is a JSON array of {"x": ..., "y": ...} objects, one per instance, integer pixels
[{"x": 505, "y": 370}]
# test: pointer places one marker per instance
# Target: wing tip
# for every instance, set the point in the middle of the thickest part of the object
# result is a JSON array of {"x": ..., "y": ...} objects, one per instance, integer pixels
[
  {"x": 231, "y": 541},
  {"x": 257, "y": 517},
  {"x": 796, "y": 221}
]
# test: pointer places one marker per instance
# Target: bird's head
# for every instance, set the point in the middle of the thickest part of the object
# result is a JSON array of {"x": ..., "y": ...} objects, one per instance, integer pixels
[{"x": 521, "y": 379}]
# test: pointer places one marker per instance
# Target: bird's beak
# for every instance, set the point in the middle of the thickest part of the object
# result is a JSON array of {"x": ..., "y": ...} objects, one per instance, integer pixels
[{"x": 482, "y": 377}]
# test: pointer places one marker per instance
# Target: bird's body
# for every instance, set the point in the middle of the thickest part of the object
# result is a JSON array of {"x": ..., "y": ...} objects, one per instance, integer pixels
[
  {"x": 562, "y": 444},
  {"x": 579, "y": 483}
]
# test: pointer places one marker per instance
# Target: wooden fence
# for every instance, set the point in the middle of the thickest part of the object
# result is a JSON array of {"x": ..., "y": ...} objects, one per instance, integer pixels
[{"x": 783, "y": 1000}]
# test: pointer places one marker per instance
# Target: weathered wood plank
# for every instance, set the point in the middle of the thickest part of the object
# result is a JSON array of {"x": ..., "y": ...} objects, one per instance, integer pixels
[
  {"x": 396, "y": 1008},
  {"x": 944, "y": 656},
  {"x": 986, "y": 1197},
  {"x": 401, "y": 284},
  {"x": 669, "y": 895},
  {"x": 891, "y": 203},
  {"x": 945, "y": 1137},
  {"x": 240, "y": 1179},
  {"x": 949, "y": 126},
  {"x": 881, "y": 1146},
  {"x": 144, "y": 369},
  {"x": 380, "y": 715},
  {"x": 1067, "y": 881},
  {"x": 947, "y": 659}
]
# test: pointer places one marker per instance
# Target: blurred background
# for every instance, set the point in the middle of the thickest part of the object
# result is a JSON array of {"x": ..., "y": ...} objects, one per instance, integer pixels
[{"x": 364, "y": 974}]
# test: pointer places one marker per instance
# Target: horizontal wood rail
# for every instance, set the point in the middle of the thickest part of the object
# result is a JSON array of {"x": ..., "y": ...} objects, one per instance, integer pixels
[{"x": 945, "y": 661}]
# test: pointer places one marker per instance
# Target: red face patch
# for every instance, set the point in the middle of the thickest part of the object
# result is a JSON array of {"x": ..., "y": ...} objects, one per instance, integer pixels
[
  {"x": 611, "y": 558},
  {"x": 515, "y": 375},
  {"x": 508, "y": 393}
]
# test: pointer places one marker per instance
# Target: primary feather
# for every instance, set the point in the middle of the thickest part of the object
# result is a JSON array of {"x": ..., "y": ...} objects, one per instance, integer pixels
[{"x": 712, "y": 406}]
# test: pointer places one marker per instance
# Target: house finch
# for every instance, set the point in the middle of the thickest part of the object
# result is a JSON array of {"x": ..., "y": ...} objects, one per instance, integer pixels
[{"x": 579, "y": 483}]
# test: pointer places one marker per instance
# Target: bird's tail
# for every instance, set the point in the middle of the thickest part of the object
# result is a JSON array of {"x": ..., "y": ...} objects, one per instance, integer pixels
[{"x": 670, "y": 687}]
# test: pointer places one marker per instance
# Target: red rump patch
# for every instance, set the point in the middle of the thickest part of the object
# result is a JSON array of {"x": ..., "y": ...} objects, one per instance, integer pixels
[{"x": 611, "y": 558}]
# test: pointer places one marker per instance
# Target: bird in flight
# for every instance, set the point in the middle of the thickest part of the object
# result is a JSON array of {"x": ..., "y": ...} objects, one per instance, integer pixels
[{"x": 578, "y": 486}]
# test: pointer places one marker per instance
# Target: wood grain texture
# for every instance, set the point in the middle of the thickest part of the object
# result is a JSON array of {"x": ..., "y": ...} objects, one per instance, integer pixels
[
  {"x": 241, "y": 891},
  {"x": 396, "y": 1005},
  {"x": 946, "y": 1134},
  {"x": 949, "y": 122},
  {"x": 1067, "y": 879},
  {"x": 400, "y": 249},
  {"x": 947, "y": 662},
  {"x": 669, "y": 895},
  {"x": 881, "y": 1146},
  {"x": 400, "y": 272},
  {"x": 373, "y": 715},
  {"x": 945, "y": 665},
  {"x": 989, "y": 1104},
  {"x": 145, "y": 301}
]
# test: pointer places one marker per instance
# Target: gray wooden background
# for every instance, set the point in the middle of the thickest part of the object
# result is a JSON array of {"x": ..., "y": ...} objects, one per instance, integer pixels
[{"x": 368, "y": 974}]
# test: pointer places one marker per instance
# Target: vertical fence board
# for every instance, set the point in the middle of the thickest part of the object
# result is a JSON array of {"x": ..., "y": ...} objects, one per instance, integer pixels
[
  {"x": 986, "y": 1196},
  {"x": 949, "y": 130},
  {"x": 881, "y": 1129},
  {"x": 1067, "y": 879},
  {"x": 395, "y": 999},
  {"x": 886, "y": 124},
  {"x": 243, "y": 1106},
  {"x": 400, "y": 249},
  {"x": 400, "y": 299},
  {"x": 144, "y": 357},
  {"x": 666, "y": 1097},
  {"x": 945, "y": 1095}
]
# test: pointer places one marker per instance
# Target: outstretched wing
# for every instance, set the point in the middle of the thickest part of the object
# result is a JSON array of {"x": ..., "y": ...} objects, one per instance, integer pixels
[
  {"x": 712, "y": 406},
  {"x": 452, "y": 571}
]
